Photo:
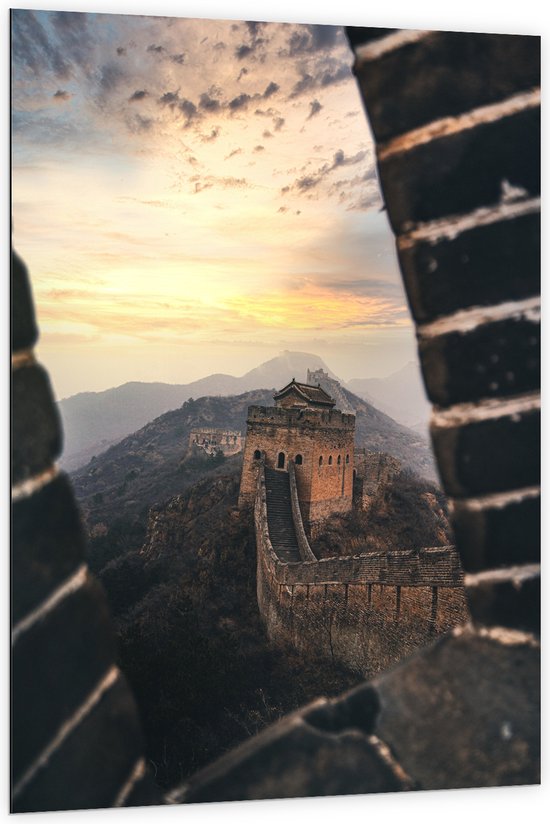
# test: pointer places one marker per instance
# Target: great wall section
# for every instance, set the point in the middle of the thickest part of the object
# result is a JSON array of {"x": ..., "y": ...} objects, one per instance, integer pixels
[
  {"x": 364, "y": 611},
  {"x": 463, "y": 712}
]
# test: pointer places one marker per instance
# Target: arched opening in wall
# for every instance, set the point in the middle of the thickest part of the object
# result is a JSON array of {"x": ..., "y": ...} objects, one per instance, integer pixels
[
  {"x": 257, "y": 454},
  {"x": 330, "y": 460},
  {"x": 320, "y": 460},
  {"x": 354, "y": 474},
  {"x": 339, "y": 460},
  {"x": 347, "y": 459},
  {"x": 298, "y": 460},
  {"x": 281, "y": 461}
]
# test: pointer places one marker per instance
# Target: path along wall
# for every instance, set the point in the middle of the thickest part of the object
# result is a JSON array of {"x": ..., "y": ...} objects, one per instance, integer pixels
[{"x": 364, "y": 611}]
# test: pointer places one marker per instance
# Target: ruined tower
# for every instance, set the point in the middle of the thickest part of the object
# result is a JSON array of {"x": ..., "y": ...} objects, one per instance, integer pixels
[{"x": 303, "y": 427}]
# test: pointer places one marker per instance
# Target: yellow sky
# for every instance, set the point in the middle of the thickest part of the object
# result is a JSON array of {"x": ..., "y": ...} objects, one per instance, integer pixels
[{"x": 192, "y": 196}]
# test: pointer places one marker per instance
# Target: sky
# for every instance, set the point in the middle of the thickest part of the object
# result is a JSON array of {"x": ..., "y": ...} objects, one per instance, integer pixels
[{"x": 196, "y": 196}]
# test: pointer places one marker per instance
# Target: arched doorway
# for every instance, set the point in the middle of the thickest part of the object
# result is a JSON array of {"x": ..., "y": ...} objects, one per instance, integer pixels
[{"x": 281, "y": 461}]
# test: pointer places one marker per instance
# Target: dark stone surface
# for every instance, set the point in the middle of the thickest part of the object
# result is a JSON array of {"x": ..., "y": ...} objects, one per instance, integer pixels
[
  {"x": 500, "y": 536},
  {"x": 489, "y": 456},
  {"x": 514, "y": 602},
  {"x": 24, "y": 331},
  {"x": 144, "y": 794},
  {"x": 55, "y": 666},
  {"x": 94, "y": 761},
  {"x": 481, "y": 267},
  {"x": 464, "y": 713},
  {"x": 293, "y": 759},
  {"x": 36, "y": 428},
  {"x": 493, "y": 360},
  {"x": 446, "y": 74},
  {"x": 48, "y": 544},
  {"x": 456, "y": 174},
  {"x": 358, "y": 35}
]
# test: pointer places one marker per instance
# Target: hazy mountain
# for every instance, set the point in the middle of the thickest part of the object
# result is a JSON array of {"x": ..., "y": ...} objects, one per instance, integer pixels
[
  {"x": 400, "y": 395},
  {"x": 152, "y": 464},
  {"x": 92, "y": 421}
]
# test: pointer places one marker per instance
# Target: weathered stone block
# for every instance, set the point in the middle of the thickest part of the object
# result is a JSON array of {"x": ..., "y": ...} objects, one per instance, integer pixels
[
  {"x": 358, "y": 35},
  {"x": 445, "y": 74},
  {"x": 465, "y": 712},
  {"x": 481, "y": 267},
  {"x": 24, "y": 331},
  {"x": 36, "y": 429},
  {"x": 48, "y": 544},
  {"x": 294, "y": 758},
  {"x": 462, "y": 172},
  {"x": 507, "y": 598},
  {"x": 489, "y": 456},
  {"x": 56, "y": 663},
  {"x": 93, "y": 762},
  {"x": 492, "y": 360},
  {"x": 498, "y": 536}
]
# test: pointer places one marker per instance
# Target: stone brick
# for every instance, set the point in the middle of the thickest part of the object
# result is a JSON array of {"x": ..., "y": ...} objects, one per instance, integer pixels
[
  {"x": 24, "y": 331},
  {"x": 36, "y": 429},
  {"x": 48, "y": 544},
  {"x": 293, "y": 759},
  {"x": 492, "y": 360},
  {"x": 481, "y": 267},
  {"x": 507, "y": 598},
  {"x": 445, "y": 74},
  {"x": 56, "y": 664},
  {"x": 358, "y": 35},
  {"x": 498, "y": 536},
  {"x": 144, "y": 794},
  {"x": 465, "y": 712},
  {"x": 94, "y": 761},
  {"x": 489, "y": 456},
  {"x": 462, "y": 172}
]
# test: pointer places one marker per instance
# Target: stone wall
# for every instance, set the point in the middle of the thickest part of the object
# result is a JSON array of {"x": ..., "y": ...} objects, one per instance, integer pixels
[
  {"x": 324, "y": 487},
  {"x": 373, "y": 473},
  {"x": 366, "y": 611}
]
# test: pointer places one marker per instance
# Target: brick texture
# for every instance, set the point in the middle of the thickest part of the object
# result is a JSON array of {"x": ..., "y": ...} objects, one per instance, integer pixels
[
  {"x": 48, "y": 544},
  {"x": 36, "y": 428},
  {"x": 444, "y": 75}
]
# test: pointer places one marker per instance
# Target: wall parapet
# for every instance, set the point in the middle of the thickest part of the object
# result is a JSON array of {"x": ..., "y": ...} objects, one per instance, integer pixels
[{"x": 306, "y": 553}]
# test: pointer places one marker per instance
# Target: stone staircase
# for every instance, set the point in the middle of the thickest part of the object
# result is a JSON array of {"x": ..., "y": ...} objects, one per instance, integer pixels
[{"x": 279, "y": 515}]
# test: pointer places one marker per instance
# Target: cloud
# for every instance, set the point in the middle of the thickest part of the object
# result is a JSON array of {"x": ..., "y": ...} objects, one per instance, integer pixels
[
  {"x": 267, "y": 134},
  {"x": 110, "y": 78},
  {"x": 31, "y": 46},
  {"x": 153, "y": 49},
  {"x": 121, "y": 51},
  {"x": 202, "y": 182},
  {"x": 138, "y": 124},
  {"x": 311, "y": 180},
  {"x": 140, "y": 94},
  {"x": 233, "y": 153},
  {"x": 240, "y": 102},
  {"x": 242, "y": 73},
  {"x": 305, "y": 84},
  {"x": 209, "y": 104},
  {"x": 278, "y": 123},
  {"x": 169, "y": 99},
  {"x": 310, "y": 39},
  {"x": 259, "y": 148},
  {"x": 314, "y": 108},
  {"x": 61, "y": 96},
  {"x": 178, "y": 58},
  {"x": 214, "y": 134},
  {"x": 188, "y": 109},
  {"x": 271, "y": 89}
]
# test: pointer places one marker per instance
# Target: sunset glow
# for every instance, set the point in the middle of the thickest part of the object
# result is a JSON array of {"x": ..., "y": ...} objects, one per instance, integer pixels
[{"x": 194, "y": 196}]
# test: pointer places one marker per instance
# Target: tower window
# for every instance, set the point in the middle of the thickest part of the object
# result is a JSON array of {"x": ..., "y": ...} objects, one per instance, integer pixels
[
  {"x": 298, "y": 460},
  {"x": 339, "y": 460},
  {"x": 257, "y": 454},
  {"x": 281, "y": 461},
  {"x": 347, "y": 458},
  {"x": 330, "y": 460},
  {"x": 321, "y": 461}
]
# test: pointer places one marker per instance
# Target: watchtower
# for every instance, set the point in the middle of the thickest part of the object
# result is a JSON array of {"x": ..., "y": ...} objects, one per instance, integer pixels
[{"x": 303, "y": 427}]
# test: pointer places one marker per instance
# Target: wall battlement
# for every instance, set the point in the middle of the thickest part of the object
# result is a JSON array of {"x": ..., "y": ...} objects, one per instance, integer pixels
[
  {"x": 280, "y": 416},
  {"x": 366, "y": 611}
]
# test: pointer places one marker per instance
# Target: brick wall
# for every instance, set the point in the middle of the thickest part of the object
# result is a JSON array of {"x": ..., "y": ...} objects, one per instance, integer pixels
[
  {"x": 323, "y": 488},
  {"x": 76, "y": 737},
  {"x": 366, "y": 611}
]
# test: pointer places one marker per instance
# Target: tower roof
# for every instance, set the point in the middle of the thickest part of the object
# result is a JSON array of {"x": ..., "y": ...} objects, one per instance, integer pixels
[{"x": 312, "y": 395}]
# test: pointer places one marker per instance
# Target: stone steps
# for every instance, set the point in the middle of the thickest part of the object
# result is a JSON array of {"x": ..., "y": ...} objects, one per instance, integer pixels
[{"x": 279, "y": 515}]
